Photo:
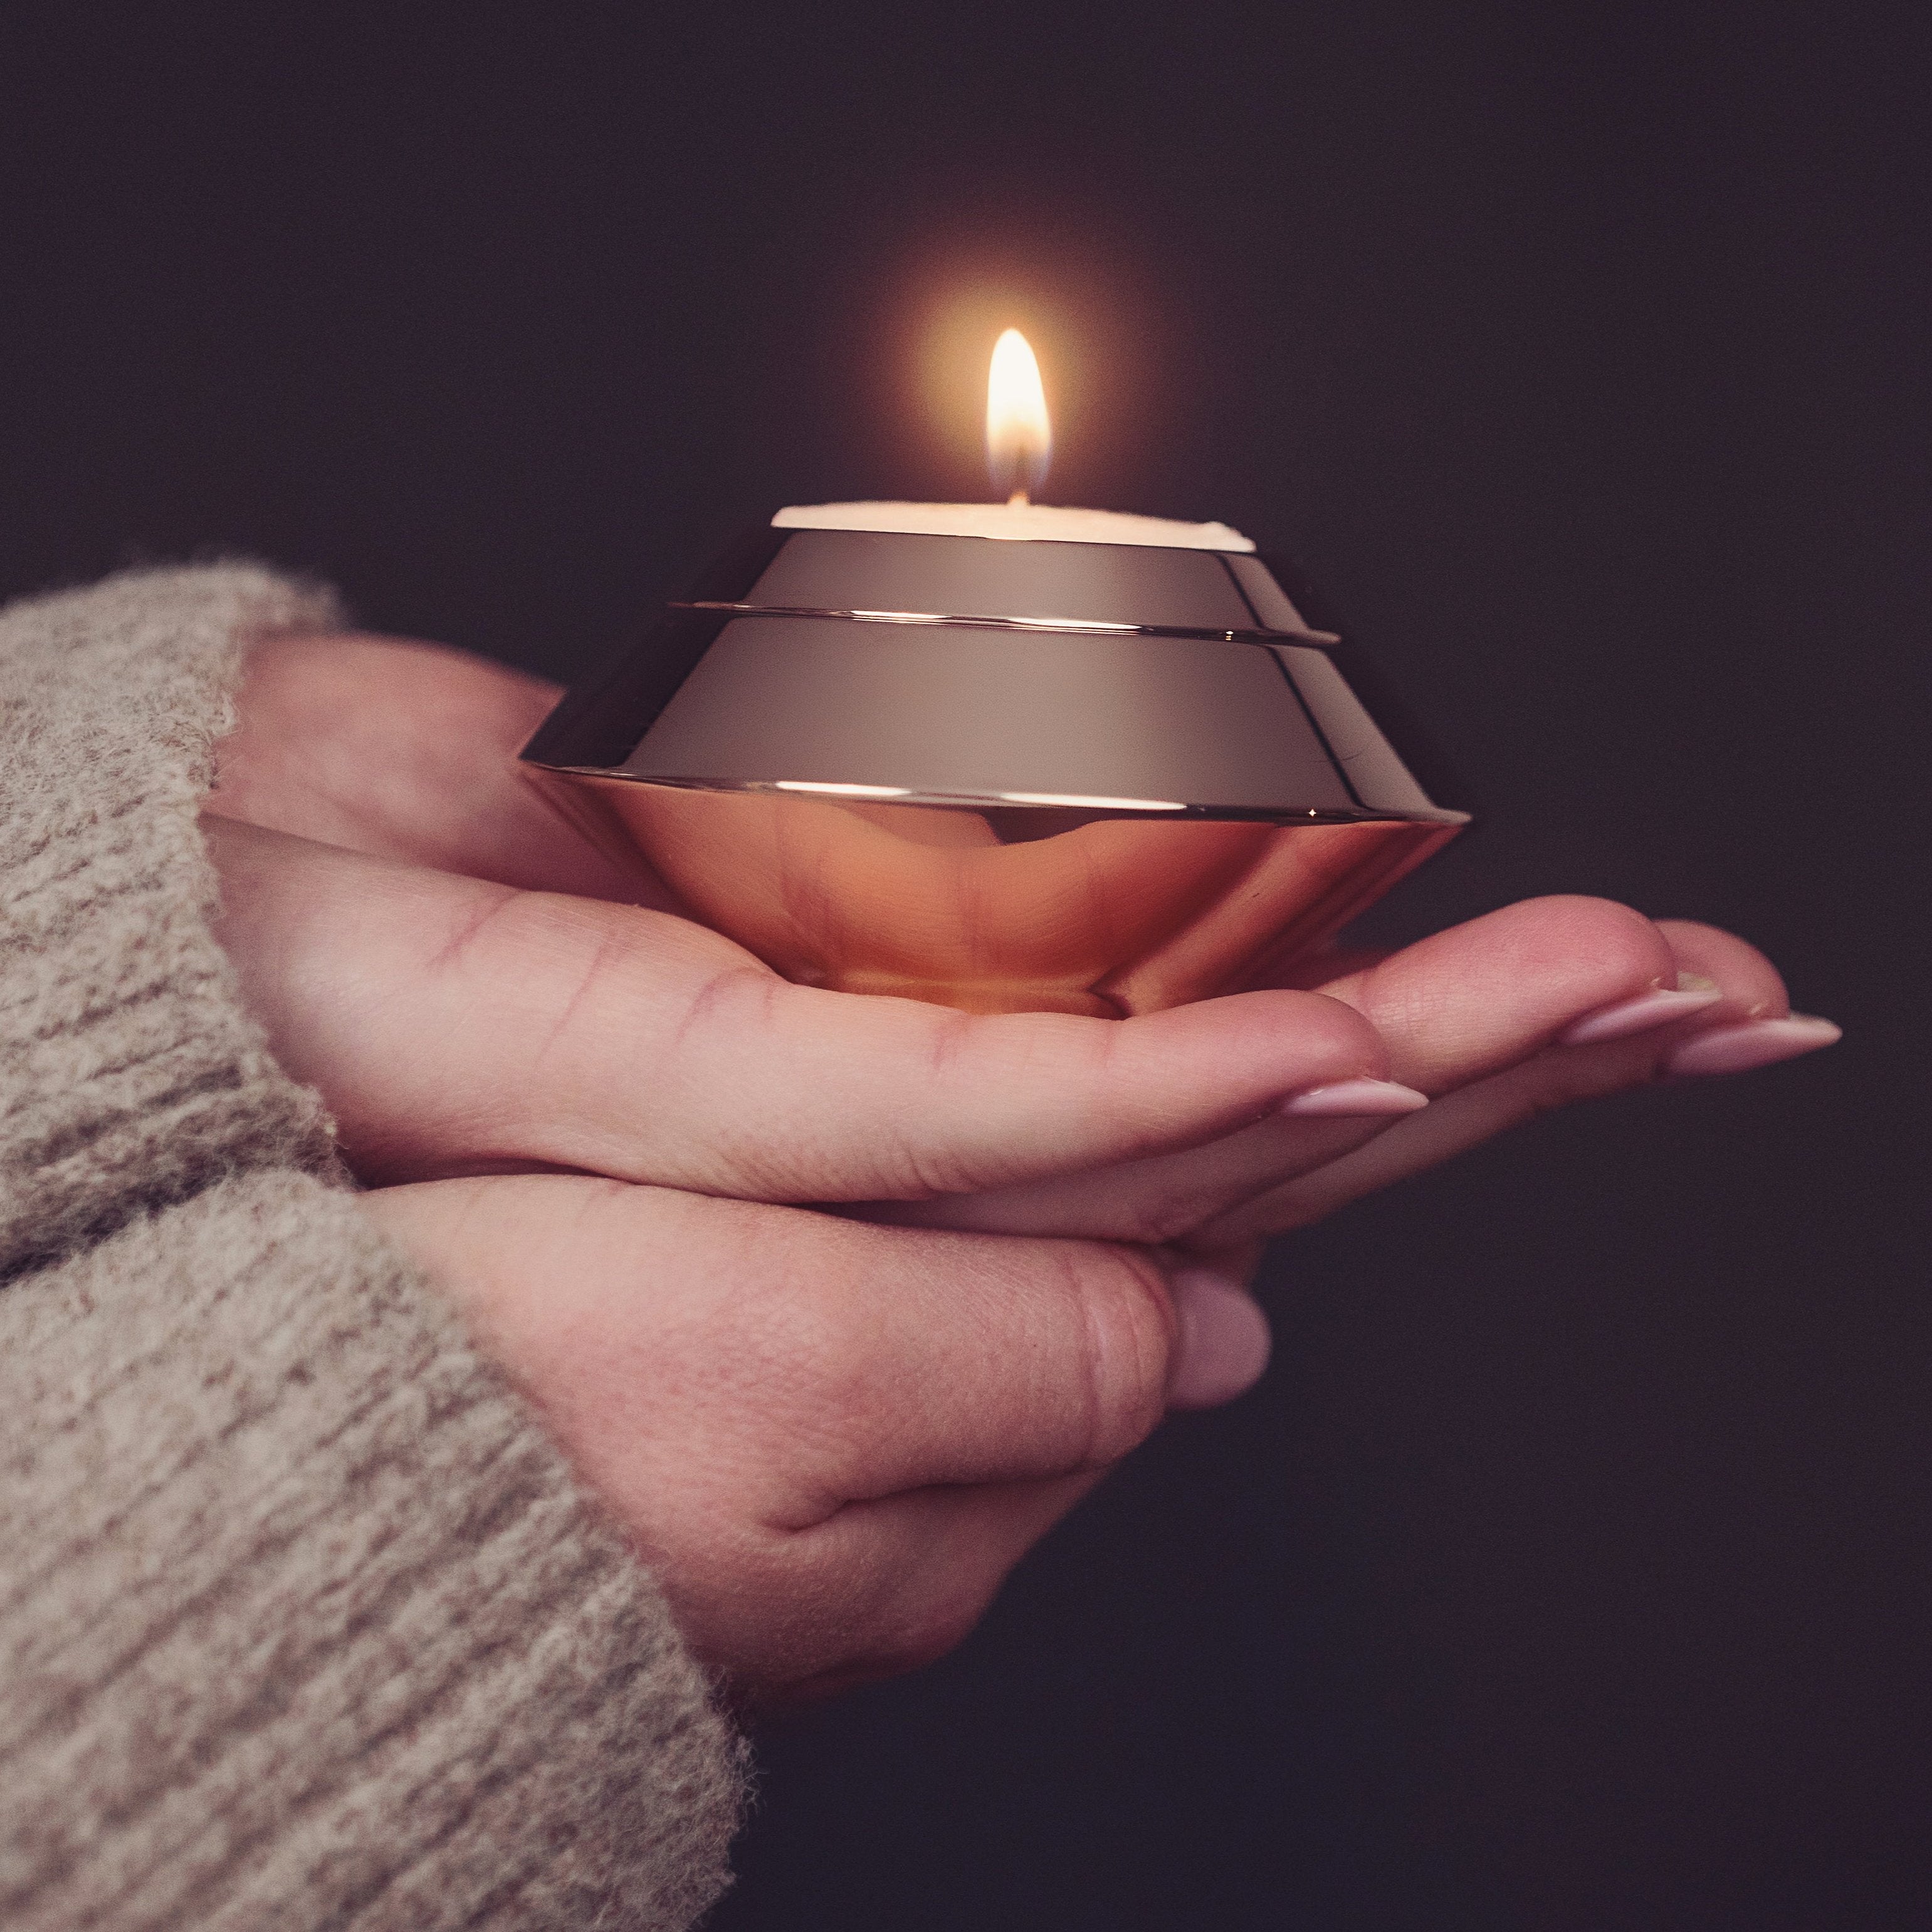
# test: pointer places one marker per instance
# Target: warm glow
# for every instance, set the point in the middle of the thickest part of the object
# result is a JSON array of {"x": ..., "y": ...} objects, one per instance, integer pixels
[{"x": 1019, "y": 439}]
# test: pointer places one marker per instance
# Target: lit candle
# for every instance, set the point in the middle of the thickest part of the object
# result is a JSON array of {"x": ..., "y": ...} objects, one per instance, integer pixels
[
  {"x": 1103, "y": 766},
  {"x": 1019, "y": 445}
]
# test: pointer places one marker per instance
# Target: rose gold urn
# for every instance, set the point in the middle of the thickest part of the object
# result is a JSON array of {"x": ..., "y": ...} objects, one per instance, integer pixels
[{"x": 1008, "y": 776}]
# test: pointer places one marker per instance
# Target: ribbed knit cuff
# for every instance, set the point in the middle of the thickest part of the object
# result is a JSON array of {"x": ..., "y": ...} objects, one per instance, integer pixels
[
  {"x": 130, "y": 1075},
  {"x": 303, "y": 1621},
  {"x": 303, "y": 1624}
]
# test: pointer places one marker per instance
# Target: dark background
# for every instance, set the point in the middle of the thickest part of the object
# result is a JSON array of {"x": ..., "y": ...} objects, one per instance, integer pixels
[{"x": 1571, "y": 1568}]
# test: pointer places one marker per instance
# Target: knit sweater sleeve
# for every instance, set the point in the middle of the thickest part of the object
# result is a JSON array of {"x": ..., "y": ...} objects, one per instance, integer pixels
[{"x": 303, "y": 1622}]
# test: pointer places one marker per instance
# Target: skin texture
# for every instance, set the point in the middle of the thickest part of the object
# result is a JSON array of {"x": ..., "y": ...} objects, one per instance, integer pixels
[
  {"x": 831, "y": 1440},
  {"x": 839, "y": 1302}
]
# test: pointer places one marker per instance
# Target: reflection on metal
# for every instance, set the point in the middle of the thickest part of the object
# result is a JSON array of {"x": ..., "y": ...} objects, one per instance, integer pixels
[
  {"x": 979, "y": 621},
  {"x": 834, "y": 791},
  {"x": 1084, "y": 802},
  {"x": 1107, "y": 814}
]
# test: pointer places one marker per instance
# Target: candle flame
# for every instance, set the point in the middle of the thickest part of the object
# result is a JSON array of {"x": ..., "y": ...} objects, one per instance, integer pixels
[{"x": 1019, "y": 438}]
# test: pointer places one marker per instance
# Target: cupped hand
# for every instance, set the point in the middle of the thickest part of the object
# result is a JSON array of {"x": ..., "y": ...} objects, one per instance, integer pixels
[
  {"x": 833, "y": 1437},
  {"x": 380, "y": 854},
  {"x": 831, "y": 1440},
  {"x": 457, "y": 1028}
]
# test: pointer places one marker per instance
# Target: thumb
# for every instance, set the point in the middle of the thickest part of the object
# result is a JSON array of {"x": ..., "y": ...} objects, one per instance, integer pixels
[{"x": 457, "y": 1027}]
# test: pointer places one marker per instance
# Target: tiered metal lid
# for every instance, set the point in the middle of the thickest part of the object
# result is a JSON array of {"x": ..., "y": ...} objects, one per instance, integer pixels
[{"x": 1102, "y": 678}]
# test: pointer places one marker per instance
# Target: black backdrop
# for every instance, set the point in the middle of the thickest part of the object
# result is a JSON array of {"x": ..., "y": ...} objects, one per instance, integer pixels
[{"x": 1570, "y": 1569}]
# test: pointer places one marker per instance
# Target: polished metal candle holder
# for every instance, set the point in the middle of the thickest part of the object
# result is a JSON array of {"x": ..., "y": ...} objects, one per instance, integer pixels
[{"x": 1007, "y": 776}]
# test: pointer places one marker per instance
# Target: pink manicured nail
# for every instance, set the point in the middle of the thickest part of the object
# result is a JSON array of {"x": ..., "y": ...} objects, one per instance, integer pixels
[
  {"x": 1655, "y": 1009},
  {"x": 1360, "y": 1098},
  {"x": 1225, "y": 1342},
  {"x": 1737, "y": 1049}
]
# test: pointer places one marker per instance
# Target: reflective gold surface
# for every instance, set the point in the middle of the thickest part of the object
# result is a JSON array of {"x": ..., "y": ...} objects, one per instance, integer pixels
[
  {"x": 1082, "y": 778},
  {"x": 1006, "y": 909}
]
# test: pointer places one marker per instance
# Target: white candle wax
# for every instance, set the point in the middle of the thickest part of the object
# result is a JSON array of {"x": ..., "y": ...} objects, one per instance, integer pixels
[{"x": 1023, "y": 522}]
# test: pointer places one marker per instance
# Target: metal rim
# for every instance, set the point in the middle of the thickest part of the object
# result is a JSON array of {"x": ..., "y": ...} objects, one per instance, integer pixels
[
  {"x": 1081, "y": 626},
  {"x": 1164, "y": 811}
]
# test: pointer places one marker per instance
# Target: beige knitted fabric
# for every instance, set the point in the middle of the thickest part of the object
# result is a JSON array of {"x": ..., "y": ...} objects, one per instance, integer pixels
[{"x": 303, "y": 1623}]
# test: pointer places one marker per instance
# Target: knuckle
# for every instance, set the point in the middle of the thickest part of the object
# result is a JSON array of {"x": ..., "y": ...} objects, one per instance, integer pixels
[
  {"x": 906, "y": 1166},
  {"x": 1127, "y": 1334},
  {"x": 1332, "y": 1026},
  {"x": 964, "y": 1060},
  {"x": 477, "y": 923},
  {"x": 1616, "y": 937},
  {"x": 729, "y": 999}
]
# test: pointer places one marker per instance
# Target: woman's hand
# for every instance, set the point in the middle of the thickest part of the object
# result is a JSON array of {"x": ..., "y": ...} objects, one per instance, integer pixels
[
  {"x": 461, "y": 1026},
  {"x": 832, "y": 1440},
  {"x": 457, "y": 1027}
]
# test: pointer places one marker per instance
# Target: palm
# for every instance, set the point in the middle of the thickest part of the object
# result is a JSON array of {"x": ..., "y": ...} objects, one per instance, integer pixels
[{"x": 407, "y": 751}]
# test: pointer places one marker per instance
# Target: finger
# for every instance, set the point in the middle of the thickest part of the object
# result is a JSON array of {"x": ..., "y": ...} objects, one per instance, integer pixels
[
  {"x": 1483, "y": 995},
  {"x": 1310, "y": 972},
  {"x": 1454, "y": 1008},
  {"x": 795, "y": 1359},
  {"x": 1225, "y": 1338},
  {"x": 455, "y": 1027},
  {"x": 1750, "y": 986},
  {"x": 1152, "y": 1201},
  {"x": 1749, "y": 1019},
  {"x": 954, "y": 1546}
]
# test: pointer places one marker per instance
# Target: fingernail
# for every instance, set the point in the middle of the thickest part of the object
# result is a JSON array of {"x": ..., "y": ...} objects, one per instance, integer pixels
[
  {"x": 1657, "y": 1008},
  {"x": 1359, "y": 1097},
  {"x": 1225, "y": 1342},
  {"x": 1737, "y": 1049}
]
